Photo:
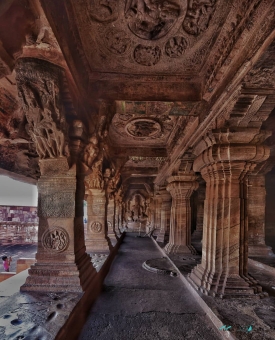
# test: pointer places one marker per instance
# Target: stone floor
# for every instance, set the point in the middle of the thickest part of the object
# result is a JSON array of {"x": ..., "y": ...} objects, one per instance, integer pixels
[
  {"x": 138, "y": 304},
  {"x": 247, "y": 319}
]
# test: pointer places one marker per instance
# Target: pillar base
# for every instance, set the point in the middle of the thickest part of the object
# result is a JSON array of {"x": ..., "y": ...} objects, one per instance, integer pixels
[
  {"x": 160, "y": 237},
  {"x": 179, "y": 249},
  {"x": 220, "y": 285},
  {"x": 60, "y": 277},
  {"x": 260, "y": 250},
  {"x": 113, "y": 239},
  {"x": 101, "y": 244}
]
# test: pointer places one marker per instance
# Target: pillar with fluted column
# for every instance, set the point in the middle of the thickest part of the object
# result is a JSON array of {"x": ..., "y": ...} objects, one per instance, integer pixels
[
  {"x": 223, "y": 270},
  {"x": 165, "y": 213},
  {"x": 111, "y": 221},
  {"x": 157, "y": 199},
  {"x": 197, "y": 234},
  {"x": 181, "y": 188},
  {"x": 256, "y": 195}
]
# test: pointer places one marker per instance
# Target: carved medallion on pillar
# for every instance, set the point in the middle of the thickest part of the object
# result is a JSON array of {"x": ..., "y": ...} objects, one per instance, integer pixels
[
  {"x": 223, "y": 270},
  {"x": 181, "y": 187}
]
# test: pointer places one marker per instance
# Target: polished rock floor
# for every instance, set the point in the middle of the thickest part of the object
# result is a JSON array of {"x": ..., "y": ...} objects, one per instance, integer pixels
[{"x": 142, "y": 305}]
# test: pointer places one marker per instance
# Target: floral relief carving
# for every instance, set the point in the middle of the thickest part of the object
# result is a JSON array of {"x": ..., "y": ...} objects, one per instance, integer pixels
[{"x": 56, "y": 239}]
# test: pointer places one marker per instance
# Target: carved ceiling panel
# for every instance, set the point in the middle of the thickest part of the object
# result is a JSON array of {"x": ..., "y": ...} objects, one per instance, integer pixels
[
  {"x": 146, "y": 123},
  {"x": 148, "y": 36}
]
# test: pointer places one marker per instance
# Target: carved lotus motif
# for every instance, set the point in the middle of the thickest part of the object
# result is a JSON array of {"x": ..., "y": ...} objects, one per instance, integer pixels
[{"x": 151, "y": 19}]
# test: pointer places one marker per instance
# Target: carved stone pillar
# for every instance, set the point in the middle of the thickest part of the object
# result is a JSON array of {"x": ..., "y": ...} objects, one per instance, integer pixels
[
  {"x": 181, "y": 188},
  {"x": 197, "y": 234},
  {"x": 62, "y": 263},
  {"x": 223, "y": 270},
  {"x": 118, "y": 214},
  {"x": 111, "y": 221},
  {"x": 157, "y": 211},
  {"x": 256, "y": 216},
  {"x": 97, "y": 239},
  {"x": 164, "y": 215}
]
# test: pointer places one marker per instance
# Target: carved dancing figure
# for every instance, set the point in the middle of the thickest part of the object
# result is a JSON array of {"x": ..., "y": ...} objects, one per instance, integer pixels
[{"x": 90, "y": 152}]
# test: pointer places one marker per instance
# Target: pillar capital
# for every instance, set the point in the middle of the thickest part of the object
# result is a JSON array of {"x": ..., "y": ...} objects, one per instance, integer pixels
[
  {"x": 231, "y": 154},
  {"x": 182, "y": 186}
]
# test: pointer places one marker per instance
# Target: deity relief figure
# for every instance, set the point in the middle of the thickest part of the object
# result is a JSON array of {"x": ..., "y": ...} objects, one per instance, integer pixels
[
  {"x": 55, "y": 240},
  {"x": 151, "y": 19},
  {"x": 41, "y": 103},
  {"x": 94, "y": 179},
  {"x": 91, "y": 152},
  {"x": 137, "y": 209}
]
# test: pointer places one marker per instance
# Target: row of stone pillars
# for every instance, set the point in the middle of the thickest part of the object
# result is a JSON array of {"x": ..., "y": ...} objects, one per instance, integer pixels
[{"x": 233, "y": 218}]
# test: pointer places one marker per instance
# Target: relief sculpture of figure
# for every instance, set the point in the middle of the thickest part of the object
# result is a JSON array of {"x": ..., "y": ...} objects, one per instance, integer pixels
[
  {"x": 91, "y": 152},
  {"x": 95, "y": 178},
  {"x": 48, "y": 138},
  {"x": 151, "y": 19}
]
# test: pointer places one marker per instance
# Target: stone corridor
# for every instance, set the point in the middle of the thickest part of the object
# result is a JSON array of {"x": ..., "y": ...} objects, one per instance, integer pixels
[{"x": 138, "y": 304}]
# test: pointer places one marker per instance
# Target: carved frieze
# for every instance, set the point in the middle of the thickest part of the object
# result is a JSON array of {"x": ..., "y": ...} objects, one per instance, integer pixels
[
  {"x": 56, "y": 204},
  {"x": 49, "y": 167},
  {"x": 55, "y": 239},
  {"x": 137, "y": 161}
]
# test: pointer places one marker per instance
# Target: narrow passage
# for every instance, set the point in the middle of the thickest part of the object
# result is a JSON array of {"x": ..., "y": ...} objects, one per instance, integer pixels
[{"x": 138, "y": 304}]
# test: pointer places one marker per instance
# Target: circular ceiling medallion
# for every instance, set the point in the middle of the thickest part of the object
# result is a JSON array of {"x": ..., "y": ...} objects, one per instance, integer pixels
[{"x": 143, "y": 128}]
